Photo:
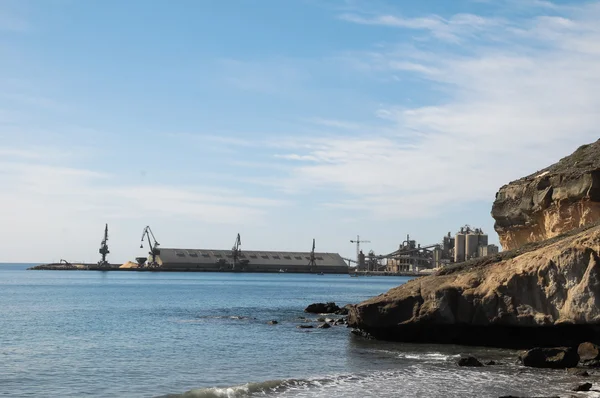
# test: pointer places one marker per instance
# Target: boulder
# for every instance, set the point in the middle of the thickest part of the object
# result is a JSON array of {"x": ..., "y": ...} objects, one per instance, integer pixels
[
  {"x": 554, "y": 358},
  {"x": 557, "y": 199},
  {"x": 272, "y": 322},
  {"x": 469, "y": 362},
  {"x": 324, "y": 326},
  {"x": 583, "y": 387},
  {"x": 590, "y": 363},
  {"x": 491, "y": 363},
  {"x": 588, "y": 351},
  {"x": 322, "y": 308},
  {"x": 578, "y": 372},
  {"x": 305, "y": 326},
  {"x": 344, "y": 310},
  {"x": 544, "y": 294}
]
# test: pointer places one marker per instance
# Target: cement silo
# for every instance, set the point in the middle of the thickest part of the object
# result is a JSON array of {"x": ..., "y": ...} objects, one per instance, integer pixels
[
  {"x": 471, "y": 245},
  {"x": 483, "y": 239},
  {"x": 459, "y": 247}
]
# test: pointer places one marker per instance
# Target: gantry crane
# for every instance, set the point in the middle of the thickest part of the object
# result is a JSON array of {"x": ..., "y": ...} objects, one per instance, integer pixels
[
  {"x": 104, "y": 249},
  {"x": 154, "y": 250}
]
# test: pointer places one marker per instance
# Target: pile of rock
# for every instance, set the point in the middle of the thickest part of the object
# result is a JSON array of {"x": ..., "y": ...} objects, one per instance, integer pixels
[{"x": 327, "y": 308}]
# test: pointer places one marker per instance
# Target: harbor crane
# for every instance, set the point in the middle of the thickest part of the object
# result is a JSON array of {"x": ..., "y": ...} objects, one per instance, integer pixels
[
  {"x": 104, "y": 249},
  {"x": 235, "y": 250},
  {"x": 311, "y": 262},
  {"x": 154, "y": 250},
  {"x": 237, "y": 255},
  {"x": 358, "y": 242}
]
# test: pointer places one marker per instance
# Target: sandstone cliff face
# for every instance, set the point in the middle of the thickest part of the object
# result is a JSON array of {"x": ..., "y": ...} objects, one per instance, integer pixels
[
  {"x": 550, "y": 202},
  {"x": 549, "y": 295}
]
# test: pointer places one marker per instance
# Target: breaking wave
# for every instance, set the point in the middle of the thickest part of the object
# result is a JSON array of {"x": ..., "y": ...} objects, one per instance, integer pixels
[
  {"x": 245, "y": 390},
  {"x": 266, "y": 387},
  {"x": 414, "y": 380}
]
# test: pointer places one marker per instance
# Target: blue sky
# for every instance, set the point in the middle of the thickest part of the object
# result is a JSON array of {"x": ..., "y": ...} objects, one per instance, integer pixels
[{"x": 281, "y": 120}]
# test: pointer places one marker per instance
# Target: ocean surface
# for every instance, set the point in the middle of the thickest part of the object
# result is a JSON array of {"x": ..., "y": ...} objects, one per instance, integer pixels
[{"x": 128, "y": 334}]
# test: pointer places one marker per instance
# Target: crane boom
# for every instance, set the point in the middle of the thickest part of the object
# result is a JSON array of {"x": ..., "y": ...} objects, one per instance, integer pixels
[
  {"x": 154, "y": 251},
  {"x": 312, "y": 263},
  {"x": 104, "y": 248},
  {"x": 358, "y": 242}
]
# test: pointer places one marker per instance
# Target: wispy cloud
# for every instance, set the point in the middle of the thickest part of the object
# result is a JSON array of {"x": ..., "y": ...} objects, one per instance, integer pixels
[
  {"x": 512, "y": 109},
  {"x": 452, "y": 29}
]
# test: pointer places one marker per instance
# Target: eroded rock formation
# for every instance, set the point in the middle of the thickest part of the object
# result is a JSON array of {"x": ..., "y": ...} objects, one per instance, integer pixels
[
  {"x": 540, "y": 295},
  {"x": 550, "y": 202}
]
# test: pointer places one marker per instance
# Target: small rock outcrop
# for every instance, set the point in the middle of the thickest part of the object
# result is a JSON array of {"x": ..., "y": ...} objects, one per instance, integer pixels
[
  {"x": 469, "y": 362},
  {"x": 272, "y": 322},
  {"x": 344, "y": 310},
  {"x": 324, "y": 326},
  {"x": 583, "y": 387},
  {"x": 553, "y": 358},
  {"x": 578, "y": 372},
  {"x": 322, "y": 308},
  {"x": 552, "y": 201}
]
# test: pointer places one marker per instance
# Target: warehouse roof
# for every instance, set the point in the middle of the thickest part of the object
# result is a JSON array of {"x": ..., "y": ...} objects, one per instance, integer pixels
[{"x": 209, "y": 256}]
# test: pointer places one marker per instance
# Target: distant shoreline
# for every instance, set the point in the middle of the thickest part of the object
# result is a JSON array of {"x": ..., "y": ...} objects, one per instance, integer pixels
[{"x": 117, "y": 267}]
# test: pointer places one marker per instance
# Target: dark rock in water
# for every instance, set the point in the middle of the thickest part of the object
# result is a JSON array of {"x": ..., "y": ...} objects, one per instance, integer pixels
[
  {"x": 344, "y": 310},
  {"x": 491, "y": 363},
  {"x": 554, "y": 358},
  {"x": 469, "y": 362},
  {"x": 361, "y": 333},
  {"x": 272, "y": 322},
  {"x": 324, "y": 326},
  {"x": 588, "y": 351},
  {"x": 305, "y": 326},
  {"x": 321, "y": 319},
  {"x": 578, "y": 372},
  {"x": 583, "y": 387},
  {"x": 591, "y": 363},
  {"x": 322, "y": 308}
]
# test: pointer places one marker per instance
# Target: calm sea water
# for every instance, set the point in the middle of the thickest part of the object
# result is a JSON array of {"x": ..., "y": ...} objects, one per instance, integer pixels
[{"x": 127, "y": 334}]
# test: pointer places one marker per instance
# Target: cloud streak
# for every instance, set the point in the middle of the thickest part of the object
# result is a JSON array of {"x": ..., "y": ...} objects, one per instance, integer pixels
[
  {"x": 451, "y": 29},
  {"x": 512, "y": 109}
]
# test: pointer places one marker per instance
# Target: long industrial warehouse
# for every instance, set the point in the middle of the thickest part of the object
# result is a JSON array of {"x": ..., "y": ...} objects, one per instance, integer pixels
[{"x": 249, "y": 261}]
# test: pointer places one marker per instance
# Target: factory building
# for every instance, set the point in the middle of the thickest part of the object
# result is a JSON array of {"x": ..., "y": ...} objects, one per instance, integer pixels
[
  {"x": 249, "y": 261},
  {"x": 411, "y": 257},
  {"x": 471, "y": 243}
]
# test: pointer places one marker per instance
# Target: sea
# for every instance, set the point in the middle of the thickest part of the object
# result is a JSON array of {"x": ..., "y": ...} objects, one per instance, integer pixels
[{"x": 131, "y": 334}]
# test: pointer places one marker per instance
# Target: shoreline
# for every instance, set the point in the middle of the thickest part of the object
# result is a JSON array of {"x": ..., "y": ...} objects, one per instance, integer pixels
[{"x": 117, "y": 267}]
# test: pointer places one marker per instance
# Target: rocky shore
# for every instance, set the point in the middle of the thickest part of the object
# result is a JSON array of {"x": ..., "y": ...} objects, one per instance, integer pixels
[{"x": 543, "y": 292}]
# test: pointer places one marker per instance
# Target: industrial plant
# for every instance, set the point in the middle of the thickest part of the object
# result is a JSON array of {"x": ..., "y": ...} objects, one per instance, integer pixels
[
  {"x": 468, "y": 243},
  {"x": 410, "y": 258}
]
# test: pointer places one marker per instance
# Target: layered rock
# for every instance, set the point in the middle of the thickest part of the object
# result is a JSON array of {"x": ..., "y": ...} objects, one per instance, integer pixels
[
  {"x": 540, "y": 295},
  {"x": 550, "y": 202}
]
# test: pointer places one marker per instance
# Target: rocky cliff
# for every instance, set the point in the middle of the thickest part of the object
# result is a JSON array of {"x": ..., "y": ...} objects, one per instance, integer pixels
[
  {"x": 551, "y": 201},
  {"x": 542, "y": 294}
]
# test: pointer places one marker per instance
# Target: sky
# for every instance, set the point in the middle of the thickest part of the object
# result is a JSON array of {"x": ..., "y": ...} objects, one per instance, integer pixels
[{"x": 283, "y": 121}]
